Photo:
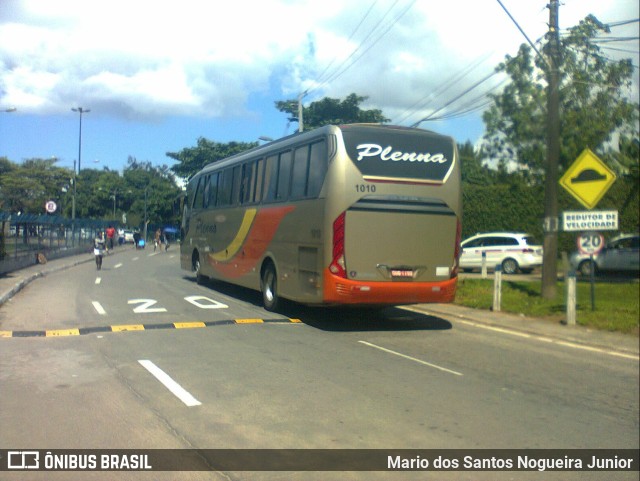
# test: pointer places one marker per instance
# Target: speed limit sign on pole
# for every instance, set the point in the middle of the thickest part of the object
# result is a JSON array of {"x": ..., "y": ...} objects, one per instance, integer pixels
[
  {"x": 590, "y": 243},
  {"x": 50, "y": 207}
]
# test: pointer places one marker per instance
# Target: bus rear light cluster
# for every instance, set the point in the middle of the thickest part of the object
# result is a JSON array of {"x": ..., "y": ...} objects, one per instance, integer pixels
[
  {"x": 457, "y": 250},
  {"x": 338, "y": 264}
]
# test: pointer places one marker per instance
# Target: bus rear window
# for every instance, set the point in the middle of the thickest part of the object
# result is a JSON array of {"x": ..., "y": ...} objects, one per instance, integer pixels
[{"x": 388, "y": 154}]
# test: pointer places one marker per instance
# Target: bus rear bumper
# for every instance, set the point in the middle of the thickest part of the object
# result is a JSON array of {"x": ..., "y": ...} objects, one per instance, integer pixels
[{"x": 338, "y": 290}]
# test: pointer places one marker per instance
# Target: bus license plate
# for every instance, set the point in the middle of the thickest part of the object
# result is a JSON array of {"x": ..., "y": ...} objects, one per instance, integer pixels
[{"x": 402, "y": 273}]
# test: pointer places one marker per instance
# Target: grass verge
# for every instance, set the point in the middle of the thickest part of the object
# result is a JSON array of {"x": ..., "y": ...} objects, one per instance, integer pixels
[{"x": 617, "y": 305}]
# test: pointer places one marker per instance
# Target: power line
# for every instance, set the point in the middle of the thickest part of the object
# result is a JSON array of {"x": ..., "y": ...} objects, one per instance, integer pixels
[
  {"x": 623, "y": 22},
  {"x": 446, "y": 85},
  {"x": 349, "y": 39},
  {"x": 344, "y": 66},
  {"x": 465, "y": 92},
  {"x": 522, "y": 31}
]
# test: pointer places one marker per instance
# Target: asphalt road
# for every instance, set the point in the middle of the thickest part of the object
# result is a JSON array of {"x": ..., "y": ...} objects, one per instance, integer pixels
[{"x": 340, "y": 378}]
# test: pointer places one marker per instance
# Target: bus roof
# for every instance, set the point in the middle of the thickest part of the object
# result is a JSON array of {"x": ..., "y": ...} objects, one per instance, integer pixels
[{"x": 296, "y": 137}]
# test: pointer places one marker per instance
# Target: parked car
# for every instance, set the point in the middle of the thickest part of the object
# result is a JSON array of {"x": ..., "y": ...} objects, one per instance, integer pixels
[
  {"x": 513, "y": 251},
  {"x": 128, "y": 236},
  {"x": 621, "y": 254}
]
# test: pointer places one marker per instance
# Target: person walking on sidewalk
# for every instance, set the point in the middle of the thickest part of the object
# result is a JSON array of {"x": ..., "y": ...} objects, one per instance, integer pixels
[{"x": 98, "y": 250}]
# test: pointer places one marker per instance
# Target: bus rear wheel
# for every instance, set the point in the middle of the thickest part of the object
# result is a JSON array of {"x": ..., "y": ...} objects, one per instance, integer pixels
[{"x": 269, "y": 288}]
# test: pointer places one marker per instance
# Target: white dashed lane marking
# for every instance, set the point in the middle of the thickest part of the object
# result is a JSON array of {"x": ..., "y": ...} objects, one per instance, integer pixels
[{"x": 170, "y": 384}]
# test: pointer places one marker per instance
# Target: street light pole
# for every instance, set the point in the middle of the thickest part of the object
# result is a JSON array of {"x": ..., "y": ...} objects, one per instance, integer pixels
[
  {"x": 73, "y": 198},
  {"x": 81, "y": 111}
]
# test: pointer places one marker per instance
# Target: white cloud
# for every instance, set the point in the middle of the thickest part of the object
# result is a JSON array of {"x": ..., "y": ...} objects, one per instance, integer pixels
[{"x": 152, "y": 58}]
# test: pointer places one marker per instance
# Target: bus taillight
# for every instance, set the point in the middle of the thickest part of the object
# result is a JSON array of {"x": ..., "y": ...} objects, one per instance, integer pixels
[
  {"x": 456, "y": 252},
  {"x": 338, "y": 265}
]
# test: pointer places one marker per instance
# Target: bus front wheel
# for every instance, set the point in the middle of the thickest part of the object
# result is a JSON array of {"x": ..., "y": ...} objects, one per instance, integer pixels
[{"x": 269, "y": 287}]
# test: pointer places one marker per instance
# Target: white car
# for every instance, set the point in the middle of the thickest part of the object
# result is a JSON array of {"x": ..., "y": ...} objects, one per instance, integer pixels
[{"x": 513, "y": 251}]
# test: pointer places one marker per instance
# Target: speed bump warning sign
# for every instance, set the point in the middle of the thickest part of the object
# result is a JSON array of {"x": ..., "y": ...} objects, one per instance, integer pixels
[{"x": 588, "y": 179}]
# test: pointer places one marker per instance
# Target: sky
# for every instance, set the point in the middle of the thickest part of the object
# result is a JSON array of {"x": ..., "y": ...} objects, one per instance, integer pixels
[{"x": 157, "y": 75}]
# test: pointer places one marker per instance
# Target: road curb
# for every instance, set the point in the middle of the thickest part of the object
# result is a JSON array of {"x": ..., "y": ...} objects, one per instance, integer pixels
[
  {"x": 18, "y": 286},
  {"x": 541, "y": 329}
]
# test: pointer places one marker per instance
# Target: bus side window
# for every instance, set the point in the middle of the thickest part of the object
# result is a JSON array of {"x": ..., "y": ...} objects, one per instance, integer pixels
[
  {"x": 237, "y": 182},
  {"x": 299, "y": 174},
  {"x": 225, "y": 186},
  {"x": 259, "y": 180},
  {"x": 284, "y": 176},
  {"x": 213, "y": 189},
  {"x": 270, "y": 179},
  {"x": 206, "y": 191},
  {"x": 317, "y": 168},
  {"x": 198, "y": 198},
  {"x": 248, "y": 182}
]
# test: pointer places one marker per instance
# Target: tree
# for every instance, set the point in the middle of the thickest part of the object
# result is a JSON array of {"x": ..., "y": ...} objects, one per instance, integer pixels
[
  {"x": 473, "y": 170},
  {"x": 25, "y": 187},
  {"x": 192, "y": 159},
  {"x": 28, "y": 186},
  {"x": 151, "y": 191},
  {"x": 593, "y": 105},
  {"x": 330, "y": 111}
]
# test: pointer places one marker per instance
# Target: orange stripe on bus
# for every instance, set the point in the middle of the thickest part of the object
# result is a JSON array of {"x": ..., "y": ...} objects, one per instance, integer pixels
[{"x": 264, "y": 227}]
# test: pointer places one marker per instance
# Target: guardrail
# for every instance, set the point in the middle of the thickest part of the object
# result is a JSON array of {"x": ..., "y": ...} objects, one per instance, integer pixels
[{"x": 29, "y": 239}]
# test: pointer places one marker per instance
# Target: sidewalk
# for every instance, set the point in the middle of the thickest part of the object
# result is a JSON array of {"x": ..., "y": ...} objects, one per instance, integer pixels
[
  {"x": 544, "y": 330},
  {"x": 13, "y": 282}
]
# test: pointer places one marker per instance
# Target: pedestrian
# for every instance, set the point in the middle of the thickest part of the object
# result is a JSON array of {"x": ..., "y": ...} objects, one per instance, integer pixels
[
  {"x": 98, "y": 250},
  {"x": 111, "y": 233},
  {"x": 165, "y": 240},
  {"x": 157, "y": 239}
]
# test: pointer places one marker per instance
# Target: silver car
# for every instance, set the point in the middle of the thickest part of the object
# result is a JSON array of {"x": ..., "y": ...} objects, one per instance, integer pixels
[{"x": 621, "y": 254}]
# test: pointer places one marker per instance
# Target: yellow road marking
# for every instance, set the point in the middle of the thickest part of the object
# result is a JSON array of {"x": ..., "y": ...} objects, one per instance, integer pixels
[
  {"x": 188, "y": 325},
  {"x": 63, "y": 332},
  {"x": 127, "y": 327},
  {"x": 249, "y": 321}
]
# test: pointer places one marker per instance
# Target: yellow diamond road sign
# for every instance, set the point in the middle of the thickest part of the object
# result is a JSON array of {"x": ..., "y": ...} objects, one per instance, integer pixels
[{"x": 588, "y": 179}]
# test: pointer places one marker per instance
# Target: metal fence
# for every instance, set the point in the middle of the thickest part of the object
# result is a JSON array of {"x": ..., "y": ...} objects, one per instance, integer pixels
[{"x": 28, "y": 239}]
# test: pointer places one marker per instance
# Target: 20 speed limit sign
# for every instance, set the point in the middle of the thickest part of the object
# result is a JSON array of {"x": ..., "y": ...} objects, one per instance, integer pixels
[{"x": 590, "y": 243}]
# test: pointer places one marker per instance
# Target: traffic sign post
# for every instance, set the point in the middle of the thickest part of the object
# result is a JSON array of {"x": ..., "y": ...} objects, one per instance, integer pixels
[
  {"x": 588, "y": 179},
  {"x": 581, "y": 221},
  {"x": 50, "y": 206},
  {"x": 591, "y": 243}
]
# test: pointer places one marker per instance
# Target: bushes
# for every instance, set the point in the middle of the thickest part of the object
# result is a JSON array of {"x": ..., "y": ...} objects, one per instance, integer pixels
[{"x": 520, "y": 208}]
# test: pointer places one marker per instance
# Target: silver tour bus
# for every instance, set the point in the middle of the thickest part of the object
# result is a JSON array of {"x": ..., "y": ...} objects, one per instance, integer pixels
[{"x": 356, "y": 214}]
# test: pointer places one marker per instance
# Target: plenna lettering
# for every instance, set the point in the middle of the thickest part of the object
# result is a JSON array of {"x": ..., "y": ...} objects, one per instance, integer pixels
[{"x": 373, "y": 150}]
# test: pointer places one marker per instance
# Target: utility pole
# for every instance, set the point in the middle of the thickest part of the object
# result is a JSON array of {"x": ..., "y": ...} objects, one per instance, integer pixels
[{"x": 550, "y": 244}]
